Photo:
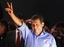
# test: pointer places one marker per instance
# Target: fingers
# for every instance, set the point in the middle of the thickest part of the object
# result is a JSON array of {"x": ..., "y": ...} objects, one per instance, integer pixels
[
  {"x": 11, "y": 6},
  {"x": 7, "y": 9},
  {"x": 8, "y": 4}
]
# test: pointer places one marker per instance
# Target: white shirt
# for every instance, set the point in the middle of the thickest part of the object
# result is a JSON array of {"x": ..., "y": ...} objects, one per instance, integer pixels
[{"x": 16, "y": 34}]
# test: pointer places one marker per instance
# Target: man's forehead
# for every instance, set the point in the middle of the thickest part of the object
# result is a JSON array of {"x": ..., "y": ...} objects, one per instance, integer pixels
[{"x": 35, "y": 21}]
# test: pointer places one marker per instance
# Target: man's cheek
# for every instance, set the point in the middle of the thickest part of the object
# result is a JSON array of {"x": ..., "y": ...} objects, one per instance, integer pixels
[{"x": 39, "y": 27}]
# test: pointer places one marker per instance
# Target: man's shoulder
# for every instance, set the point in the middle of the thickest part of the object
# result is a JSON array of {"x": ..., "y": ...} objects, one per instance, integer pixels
[
  {"x": 49, "y": 35},
  {"x": 10, "y": 32}
]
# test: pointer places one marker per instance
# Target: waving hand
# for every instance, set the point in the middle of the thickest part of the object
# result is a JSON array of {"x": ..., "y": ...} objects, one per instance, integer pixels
[{"x": 9, "y": 9}]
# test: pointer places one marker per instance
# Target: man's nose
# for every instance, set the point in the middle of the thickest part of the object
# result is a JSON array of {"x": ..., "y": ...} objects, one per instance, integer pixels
[{"x": 35, "y": 26}]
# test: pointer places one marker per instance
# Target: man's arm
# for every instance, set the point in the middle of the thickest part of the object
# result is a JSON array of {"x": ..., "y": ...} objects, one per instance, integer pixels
[
  {"x": 23, "y": 29},
  {"x": 9, "y": 9}
]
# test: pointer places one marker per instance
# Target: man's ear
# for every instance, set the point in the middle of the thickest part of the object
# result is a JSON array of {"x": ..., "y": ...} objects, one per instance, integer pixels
[{"x": 42, "y": 24}]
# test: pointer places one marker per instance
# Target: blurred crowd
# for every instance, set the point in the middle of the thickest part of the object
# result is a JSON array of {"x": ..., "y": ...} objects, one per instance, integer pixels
[
  {"x": 57, "y": 31},
  {"x": 6, "y": 32}
]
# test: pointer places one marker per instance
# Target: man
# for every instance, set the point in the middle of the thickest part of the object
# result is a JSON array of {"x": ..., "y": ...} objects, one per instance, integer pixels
[
  {"x": 3, "y": 32},
  {"x": 37, "y": 37},
  {"x": 59, "y": 33},
  {"x": 13, "y": 37}
]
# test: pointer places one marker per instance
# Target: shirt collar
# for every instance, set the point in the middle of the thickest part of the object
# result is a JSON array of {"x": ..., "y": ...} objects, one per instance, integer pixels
[
  {"x": 17, "y": 30},
  {"x": 43, "y": 32}
]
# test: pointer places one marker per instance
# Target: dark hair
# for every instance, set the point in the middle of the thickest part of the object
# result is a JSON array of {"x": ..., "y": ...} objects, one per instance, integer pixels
[
  {"x": 60, "y": 24},
  {"x": 11, "y": 25},
  {"x": 59, "y": 27},
  {"x": 36, "y": 16}
]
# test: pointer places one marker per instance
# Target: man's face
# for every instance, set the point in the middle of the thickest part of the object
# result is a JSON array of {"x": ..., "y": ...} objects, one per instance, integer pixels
[
  {"x": 37, "y": 26},
  {"x": 2, "y": 29}
]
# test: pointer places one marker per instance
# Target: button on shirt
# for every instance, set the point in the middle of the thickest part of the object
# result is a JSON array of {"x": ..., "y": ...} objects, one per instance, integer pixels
[{"x": 31, "y": 40}]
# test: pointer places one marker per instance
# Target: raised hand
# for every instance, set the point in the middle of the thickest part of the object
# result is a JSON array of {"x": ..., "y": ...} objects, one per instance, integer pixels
[{"x": 9, "y": 9}]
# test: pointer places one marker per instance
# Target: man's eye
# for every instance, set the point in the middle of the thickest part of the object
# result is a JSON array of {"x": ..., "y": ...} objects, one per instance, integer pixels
[{"x": 37, "y": 25}]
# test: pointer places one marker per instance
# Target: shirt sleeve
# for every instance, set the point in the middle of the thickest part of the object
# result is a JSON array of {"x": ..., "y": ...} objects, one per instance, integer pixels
[{"x": 24, "y": 30}]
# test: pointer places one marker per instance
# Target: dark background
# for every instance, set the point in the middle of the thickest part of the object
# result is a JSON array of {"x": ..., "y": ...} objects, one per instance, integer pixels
[{"x": 52, "y": 10}]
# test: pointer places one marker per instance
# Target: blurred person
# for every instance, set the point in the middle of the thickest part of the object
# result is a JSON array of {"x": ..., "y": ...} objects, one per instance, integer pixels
[
  {"x": 53, "y": 31},
  {"x": 11, "y": 25},
  {"x": 3, "y": 32},
  {"x": 58, "y": 32},
  {"x": 11, "y": 39},
  {"x": 12, "y": 36},
  {"x": 37, "y": 37}
]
